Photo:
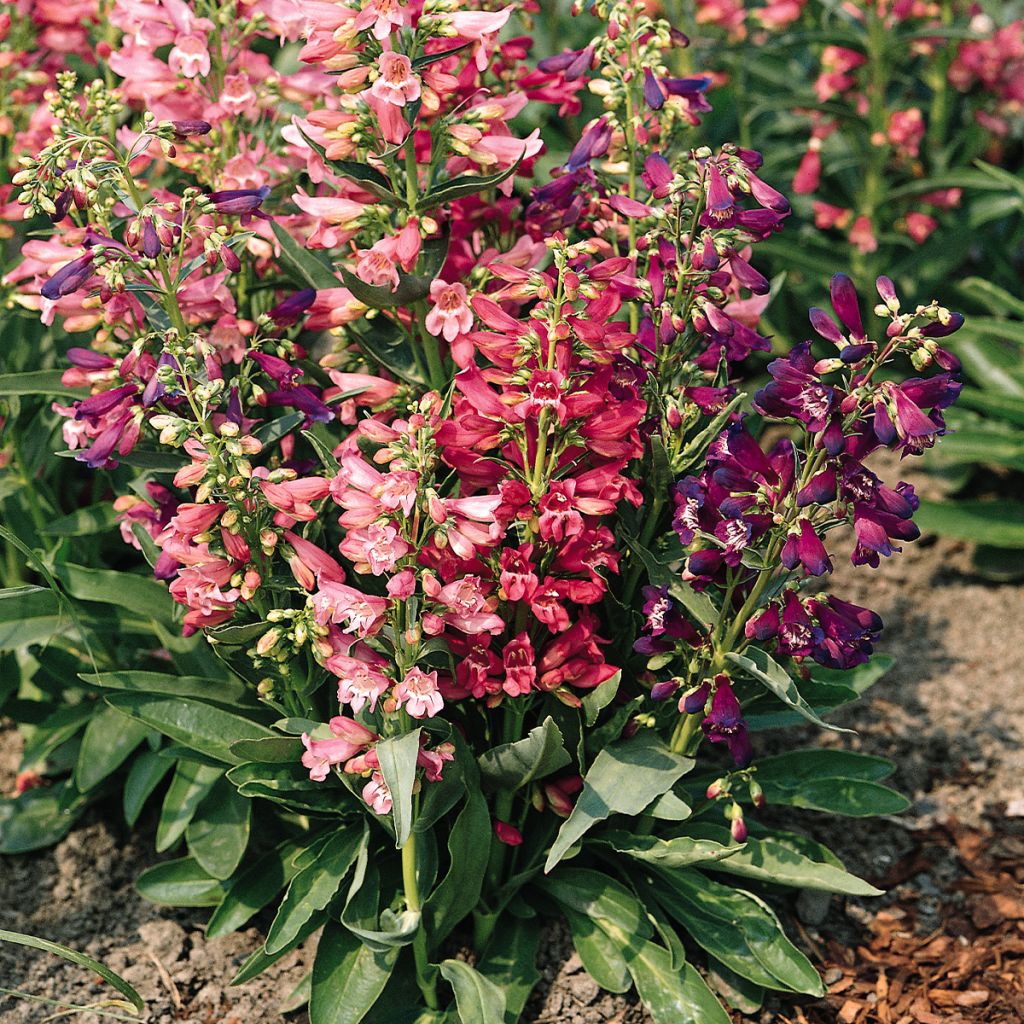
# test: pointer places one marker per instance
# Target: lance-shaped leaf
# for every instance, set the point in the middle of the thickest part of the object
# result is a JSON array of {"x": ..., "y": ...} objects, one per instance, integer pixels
[
  {"x": 314, "y": 887},
  {"x": 348, "y": 977},
  {"x": 397, "y": 756},
  {"x": 478, "y": 999},
  {"x": 384, "y": 341},
  {"x": 180, "y": 883},
  {"x": 301, "y": 264},
  {"x": 766, "y": 670},
  {"x": 624, "y": 779},
  {"x": 72, "y": 955},
  {"x": 366, "y": 177},
  {"x": 512, "y": 765},
  {"x": 466, "y": 185}
]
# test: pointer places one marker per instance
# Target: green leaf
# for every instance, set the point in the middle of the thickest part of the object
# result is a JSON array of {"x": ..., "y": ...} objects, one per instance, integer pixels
[
  {"x": 736, "y": 990},
  {"x": 314, "y": 886},
  {"x": 781, "y": 858},
  {"x": 112, "y": 979},
  {"x": 137, "y": 594},
  {"x": 995, "y": 523},
  {"x": 38, "y": 382},
  {"x": 300, "y": 263},
  {"x": 510, "y": 766},
  {"x": 386, "y": 343},
  {"x": 273, "y": 430},
  {"x": 598, "y": 953},
  {"x": 348, "y": 977},
  {"x": 109, "y": 740},
  {"x": 28, "y": 615},
  {"x": 366, "y": 177},
  {"x": 678, "y": 852},
  {"x": 997, "y": 300},
  {"x": 510, "y": 963},
  {"x": 738, "y": 929},
  {"x": 838, "y": 781},
  {"x": 271, "y": 750},
  {"x": 378, "y": 929},
  {"x": 203, "y": 727},
  {"x": 186, "y": 792},
  {"x": 83, "y": 522},
  {"x": 650, "y": 767},
  {"x": 219, "y": 832},
  {"x": 143, "y": 777},
  {"x": 254, "y": 888},
  {"x": 466, "y": 185},
  {"x": 35, "y": 819},
  {"x": 469, "y": 848},
  {"x": 673, "y": 997},
  {"x": 600, "y": 697},
  {"x": 260, "y": 960},
  {"x": 478, "y": 999},
  {"x": 766, "y": 670},
  {"x": 397, "y": 756},
  {"x": 179, "y": 883}
]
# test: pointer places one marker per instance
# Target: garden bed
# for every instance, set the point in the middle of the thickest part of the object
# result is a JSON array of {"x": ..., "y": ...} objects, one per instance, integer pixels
[{"x": 945, "y": 944}]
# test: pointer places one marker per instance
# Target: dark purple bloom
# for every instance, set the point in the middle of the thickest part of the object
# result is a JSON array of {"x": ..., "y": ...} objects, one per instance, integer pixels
[
  {"x": 747, "y": 276},
  {"x": 663, "y": 690},
  {"x": 573, "y": 62},
  {"x": 592, "y": 144},
  {"x": 944, "y": 330},
  {"x": 665, "y": 624},
  {"x": 69, "y": 278},
  {"x": 725, "y": 723},
  {"x": 767, "y": 196},
  {"x": 62, "y": 204},
  {"x": 805, "y": 548},
  {"x": 86, "y": 359},
  {"x": 657, "y": 175},
  {"x": 188, "y": 129},
  {"x": 99, "y": 405},
  {"x": 305, "y": 399},
  {"x": 695, "y": 701},
  {"x": 653, "y": 96},
  {"x": 290, "y": 310},
  {"x": 278, "y": 370},
  {"x": 846, "y": 633},
  {"x": 819, "y": 490},
  {"x": 150, "y": 240},
  {"x": 846, "y": 305},
  {"x": 244, "y": 201}
]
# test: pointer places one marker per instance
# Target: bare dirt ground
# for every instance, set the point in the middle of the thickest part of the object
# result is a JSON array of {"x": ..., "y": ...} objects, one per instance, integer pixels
[{"x": 944, "y": 946}]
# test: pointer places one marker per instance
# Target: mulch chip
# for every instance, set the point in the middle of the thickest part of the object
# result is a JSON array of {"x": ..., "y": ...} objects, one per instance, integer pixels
[{"x": 968, "y": 970}]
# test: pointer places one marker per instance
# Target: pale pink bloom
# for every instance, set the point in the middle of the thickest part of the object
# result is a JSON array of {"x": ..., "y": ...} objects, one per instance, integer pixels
[
  {"x": 359, "y": 683},
  {"x": 379, "y": 264},
  {"x": 309, "y": 564},
  {"x": 398, "y": 84},
  {"x": 293, "y": 497},
  {"x": 377, "y": 794},
  {"x": 237, "y": 98},
  {"x": 384, "y": 16},
  {"x": 469, "y": 608},
  {"x": 353, "y": 610},
  {"x": 228, "y": 340},
  {"x": 374, "y": 548},
  {"x": 205, "y": 589},
  {"x": 482, "y": 27},
  {"x": 349, "y": 738},
  {"x": 333, "y": 307},
  {"x": 192, "y": 519},
  {"x": 451, "y": 315},
  {"x": 920, "y": 226},
  {"x": 862, "y": 235},
  {"x": 418, "y": 694},
  {"x": 189, "y": 57},
  {"x": 365, "y": 492},
  {"x": 433, "y": 761},
  {"x": 400, "y": 587},
  {"x": 332, "y": 209},
  {"x": 372, "y": 391}
]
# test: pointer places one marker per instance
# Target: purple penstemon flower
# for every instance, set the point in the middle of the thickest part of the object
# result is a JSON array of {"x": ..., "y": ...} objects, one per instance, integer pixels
[
  {"x": 187, "y": 129},
  {"x": 653, "y": 96},
  {"x": 69, "y": 278},
  {"x": 805, "y": 548},
  {"x": 725, "y": 722},
  {"x": 290, "y": 310},
  {"x": 242, "y": 201}
]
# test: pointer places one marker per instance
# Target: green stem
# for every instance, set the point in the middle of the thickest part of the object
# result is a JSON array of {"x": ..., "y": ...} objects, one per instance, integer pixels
[{"x": 425, "y": 977}]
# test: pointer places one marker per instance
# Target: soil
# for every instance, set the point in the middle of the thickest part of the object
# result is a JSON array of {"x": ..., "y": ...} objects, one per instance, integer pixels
[{"x": 943, "y": 946}]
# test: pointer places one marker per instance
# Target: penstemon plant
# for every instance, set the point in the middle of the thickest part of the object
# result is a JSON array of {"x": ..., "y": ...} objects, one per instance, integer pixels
[{"x": 455, "y": 487}]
